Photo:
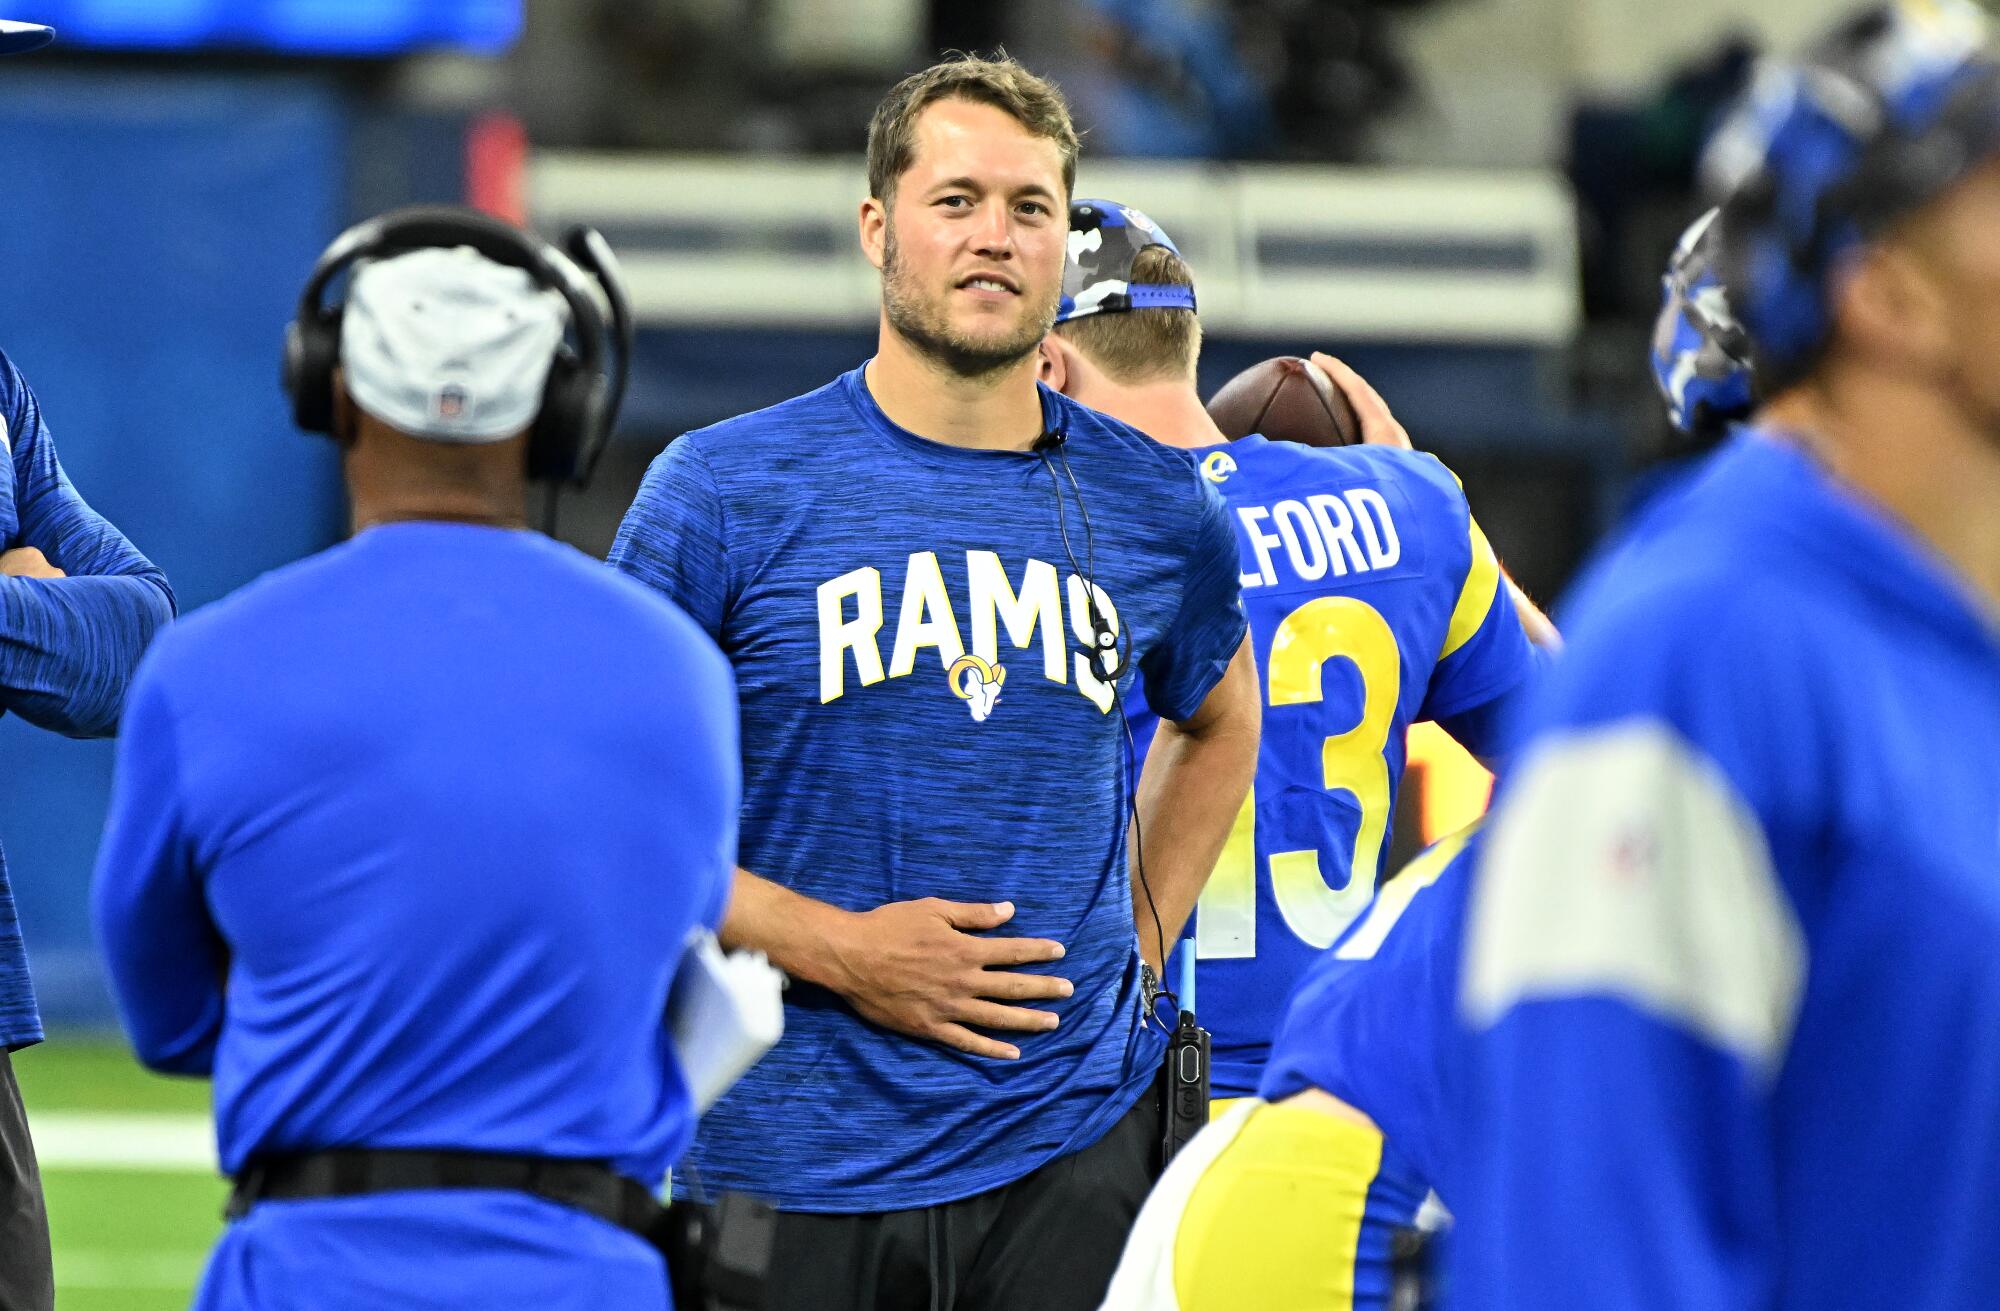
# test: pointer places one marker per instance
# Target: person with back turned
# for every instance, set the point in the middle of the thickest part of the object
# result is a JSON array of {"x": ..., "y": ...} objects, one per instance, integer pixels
[
  {"x": 1732, "y": 956},
  {"x": 392, "y": 862}
]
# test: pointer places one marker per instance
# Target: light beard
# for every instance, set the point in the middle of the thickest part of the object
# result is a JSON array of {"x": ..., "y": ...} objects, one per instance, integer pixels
[{"x": 924, "y": 325}]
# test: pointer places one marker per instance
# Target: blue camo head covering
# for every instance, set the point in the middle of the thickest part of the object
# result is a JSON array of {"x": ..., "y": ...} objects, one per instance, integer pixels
[
  {"x": 20, "y": 38},
  {"x": 1701, "y": 360},
  {"x": 1824, "y": 153},
  {"x": 1104, "y": 239}
]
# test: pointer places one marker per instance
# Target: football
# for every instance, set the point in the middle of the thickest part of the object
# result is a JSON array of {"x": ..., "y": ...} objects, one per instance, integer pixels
[{"x": 1286, "y": 399}]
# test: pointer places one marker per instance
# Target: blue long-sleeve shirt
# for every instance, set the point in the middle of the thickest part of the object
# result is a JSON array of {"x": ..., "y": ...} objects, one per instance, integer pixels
[
  {"x": 1732, "y": 966},
  {"x": 68, "y": 646},
  {"x": 405, "y": 854}
]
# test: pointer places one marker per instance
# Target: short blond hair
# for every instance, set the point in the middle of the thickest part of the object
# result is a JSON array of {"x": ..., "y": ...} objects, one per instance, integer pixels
[
  {"x": 1035, "y": 103},
  {"x": 1142, "y": 345}
]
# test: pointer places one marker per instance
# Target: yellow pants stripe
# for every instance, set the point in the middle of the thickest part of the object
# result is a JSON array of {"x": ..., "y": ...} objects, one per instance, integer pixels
[{"x": 1275, "y": 1221}]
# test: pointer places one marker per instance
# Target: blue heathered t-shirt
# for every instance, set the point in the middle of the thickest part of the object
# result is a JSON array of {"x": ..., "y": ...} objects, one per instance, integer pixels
[
  {"x": 400, "y": 857},
  {"x": 918, "y": 721},
  {"x": 68, "y": 646}
]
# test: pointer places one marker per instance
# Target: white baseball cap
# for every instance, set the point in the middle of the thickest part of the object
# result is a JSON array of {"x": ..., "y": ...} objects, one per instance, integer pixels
[
  {"x": 20, "y": 38},
  {"x": 449, "y": 345}
]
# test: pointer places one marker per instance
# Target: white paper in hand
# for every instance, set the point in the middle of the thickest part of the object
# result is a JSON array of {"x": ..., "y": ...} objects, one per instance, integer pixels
[{"x": 725, "y": 1013}]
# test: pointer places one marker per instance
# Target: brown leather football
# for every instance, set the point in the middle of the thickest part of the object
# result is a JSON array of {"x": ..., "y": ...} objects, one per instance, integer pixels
[{"x": 1287, "y": 399}]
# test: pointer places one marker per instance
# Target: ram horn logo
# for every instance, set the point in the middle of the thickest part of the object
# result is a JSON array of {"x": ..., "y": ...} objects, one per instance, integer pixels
[
  {"x": 976, "y": 683},
  {"x": 1216, "y": 466}
]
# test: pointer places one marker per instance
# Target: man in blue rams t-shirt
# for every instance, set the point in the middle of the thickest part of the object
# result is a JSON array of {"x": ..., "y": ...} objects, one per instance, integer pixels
[
  {"x": 934, "y": 578},
  {"x": 394, "y": 867},
  {"x": 1732, "y": 963}
]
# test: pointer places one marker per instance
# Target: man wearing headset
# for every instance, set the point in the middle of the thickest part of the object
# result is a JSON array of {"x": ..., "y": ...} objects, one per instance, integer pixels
[
  {"x": 1732, "y": 958},
  {"x": 391, "y": 858},
  {"x": 934, "y": 578},
  {"x": 77, "y": 606}
]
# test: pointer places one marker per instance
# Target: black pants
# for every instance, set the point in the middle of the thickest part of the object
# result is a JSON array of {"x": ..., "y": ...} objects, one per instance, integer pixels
[
  {"x": 27, "y": 1274},
  {"x": 1046, "y": 1242}
]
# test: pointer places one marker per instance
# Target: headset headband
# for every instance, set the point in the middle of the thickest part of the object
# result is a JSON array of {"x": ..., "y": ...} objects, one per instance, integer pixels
[
  {"x": 584, "y": 393},
  {"x": 427, "y": 227}
]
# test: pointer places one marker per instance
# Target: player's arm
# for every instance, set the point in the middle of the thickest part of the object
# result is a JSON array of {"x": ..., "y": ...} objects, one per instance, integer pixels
[
  {"x": 1201, "y": 678},
  {"x": 166, "y": 960},
  {"x": 1489, "y": 660},
  {"x": 1379, "y": 427},
  {"x": 1498, "y": 638},
  {"x": 1194, "y": 782},
  {"x": 78, "y": 603},
  {"x": 918, "y": 967},
  {"x": 1541, "y": 629},
  {"x": 1633, "y": 968}
]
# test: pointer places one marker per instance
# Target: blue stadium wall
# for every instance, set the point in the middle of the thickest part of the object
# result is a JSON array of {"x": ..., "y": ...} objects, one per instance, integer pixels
[{"x": 158, "y": 230}]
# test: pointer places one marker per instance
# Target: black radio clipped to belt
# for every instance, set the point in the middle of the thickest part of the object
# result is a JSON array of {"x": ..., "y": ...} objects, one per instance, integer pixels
[{"x": 1183, "y": 1087}]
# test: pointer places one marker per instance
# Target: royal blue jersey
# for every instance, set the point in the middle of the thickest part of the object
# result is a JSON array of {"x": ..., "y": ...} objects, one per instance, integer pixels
[
  {"x": 908, "y": 626},
  {"x": 1732, "y": 964},
  {"x": 1374, "y": 602},
  {"x": 68, "y": 646},
  {"x": 397, "y": 857}
]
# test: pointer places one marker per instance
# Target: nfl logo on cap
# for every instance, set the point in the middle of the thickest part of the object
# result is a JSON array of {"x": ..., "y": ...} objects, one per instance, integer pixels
[{"x": 451, "y": 402}]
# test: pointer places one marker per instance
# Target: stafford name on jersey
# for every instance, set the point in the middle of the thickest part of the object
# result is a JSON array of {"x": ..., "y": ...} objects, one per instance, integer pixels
[
  {"x": 1039, "y": 617},
  {"x": 1317, "y": 537}
]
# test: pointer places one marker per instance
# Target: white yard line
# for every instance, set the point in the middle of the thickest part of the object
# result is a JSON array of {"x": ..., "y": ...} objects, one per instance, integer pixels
[
  {"x": 169, "y": 1268},
  {"x": 90, "y": 1140}
]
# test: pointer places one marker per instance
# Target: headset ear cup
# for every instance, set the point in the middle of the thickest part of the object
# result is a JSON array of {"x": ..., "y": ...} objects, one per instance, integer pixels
[
  {"x": 593, "y": 429},
  {"x": 558, "y": 430},
  {"x": 312, "y": 353}
]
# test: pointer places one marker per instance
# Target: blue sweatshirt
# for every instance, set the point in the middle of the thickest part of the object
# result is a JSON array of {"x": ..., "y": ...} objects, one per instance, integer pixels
[
  {"x": 68, "y": 646},
  {"x": 403, "y": 856},
  {"x": 1732, "y": 965}
]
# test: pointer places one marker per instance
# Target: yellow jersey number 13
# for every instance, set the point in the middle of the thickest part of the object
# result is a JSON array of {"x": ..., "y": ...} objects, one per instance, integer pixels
[{"x": 1322, "y": 630}]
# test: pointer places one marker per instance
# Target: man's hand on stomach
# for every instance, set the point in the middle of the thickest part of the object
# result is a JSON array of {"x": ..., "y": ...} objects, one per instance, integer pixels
[{"x": 922, "y": 968}]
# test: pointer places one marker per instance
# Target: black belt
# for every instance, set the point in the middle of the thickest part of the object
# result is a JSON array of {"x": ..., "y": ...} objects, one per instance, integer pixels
[{"x": 592, "y": 1187}]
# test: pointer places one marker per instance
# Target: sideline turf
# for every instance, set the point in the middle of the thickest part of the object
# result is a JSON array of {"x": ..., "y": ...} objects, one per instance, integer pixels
[{"x": 125, "y": 1240}]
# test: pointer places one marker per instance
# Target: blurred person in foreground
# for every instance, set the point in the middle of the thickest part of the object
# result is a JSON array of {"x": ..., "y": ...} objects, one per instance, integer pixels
[
  {"x": 935, "y": 579},
  {"x": 395, "y": 865},
  {"x": 1733, "y": 955},
  {"x": 78, "y": 604},
  {"x": 1364, "y": 1068}
]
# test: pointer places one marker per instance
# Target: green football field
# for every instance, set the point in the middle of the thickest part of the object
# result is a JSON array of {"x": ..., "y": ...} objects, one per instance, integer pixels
[{"x": 134, "y": 1202}]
